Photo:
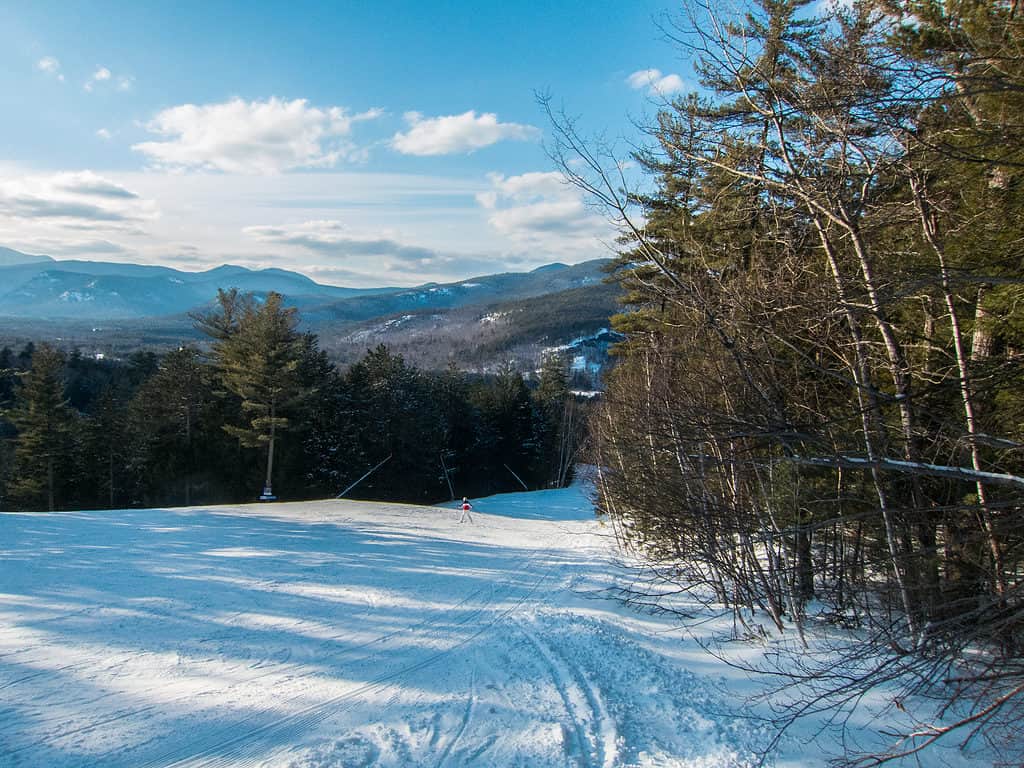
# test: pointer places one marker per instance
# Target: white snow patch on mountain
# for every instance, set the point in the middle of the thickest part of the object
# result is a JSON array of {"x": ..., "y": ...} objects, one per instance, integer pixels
[{"x": 76, "y": 296}]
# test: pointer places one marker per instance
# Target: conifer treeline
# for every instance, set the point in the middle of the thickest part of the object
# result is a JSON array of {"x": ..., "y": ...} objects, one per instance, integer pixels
[
  {"x": 821, "y": 397},
  {"x": 195, "y": 427}
]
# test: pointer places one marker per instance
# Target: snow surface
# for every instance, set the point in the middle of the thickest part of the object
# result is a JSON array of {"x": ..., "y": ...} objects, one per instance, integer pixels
[{"x": 341, "y": 633}]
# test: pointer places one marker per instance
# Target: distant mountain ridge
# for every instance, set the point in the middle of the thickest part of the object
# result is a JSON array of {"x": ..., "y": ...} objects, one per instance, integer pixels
[
  {"x": 480, "y": 323},
  {"x": 484, "y": 289},
  {"x": 41, "y": 288},
  {"x": 10, "y": 257}
]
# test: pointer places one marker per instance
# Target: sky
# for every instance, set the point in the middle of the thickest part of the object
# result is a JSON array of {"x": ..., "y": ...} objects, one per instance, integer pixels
[{"x": 360, "y": 143}]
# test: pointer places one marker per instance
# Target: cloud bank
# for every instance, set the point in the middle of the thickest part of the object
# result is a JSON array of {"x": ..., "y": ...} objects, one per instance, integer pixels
[
  {"x": 71, "y": 213},
  {"x": 79, "y": 200}
]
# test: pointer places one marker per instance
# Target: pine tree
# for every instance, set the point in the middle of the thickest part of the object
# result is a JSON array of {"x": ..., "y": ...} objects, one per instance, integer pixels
[
  {"x": 173, "y": 427},
  {"x": 306, "y": 462},
  {"x": 395, "y": 416},
  {"x": 556, "y": 424},
  {"x": 102, "y": 478},
  {"x": 257, "y": 351},
  {"x": 821, "y": 381},
  {"x": 45, "y": 427},
  {"x": 461, "y": 424},
  {"x": 506, "y": 443}
]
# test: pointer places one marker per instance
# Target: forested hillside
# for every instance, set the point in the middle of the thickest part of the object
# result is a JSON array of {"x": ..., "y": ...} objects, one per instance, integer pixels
[
  {"x": 479, "y": 324},
  {"x": 265, "y": 408},
  {"x": 477, "y": 336},
  {"x": 819, "y": 413}
]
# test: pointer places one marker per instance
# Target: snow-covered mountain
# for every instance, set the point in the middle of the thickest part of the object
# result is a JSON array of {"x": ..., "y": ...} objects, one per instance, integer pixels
[{"x": 486, "y": 289}]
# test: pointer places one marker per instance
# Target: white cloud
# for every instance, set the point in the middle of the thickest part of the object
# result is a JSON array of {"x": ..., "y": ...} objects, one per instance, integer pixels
[
  {"x": 240, "y": 136},
  {"x": 540, "y": 210},
  {"x": 656, "y": 83},
  {"x": 526, "y": 187},
  {"x": 50, "y": 66},
  {"x": 101, "y": 75},
  {"x": 457, "y": 134},
  {"x": 71, "y": 247},
  {"x": 355, "y": 255},
  {"x": 335, "y": 238},
  {"x": 104, "y": 134},
  {"x": 352, "y": 227},
  {"x": 43, "y": 206}
]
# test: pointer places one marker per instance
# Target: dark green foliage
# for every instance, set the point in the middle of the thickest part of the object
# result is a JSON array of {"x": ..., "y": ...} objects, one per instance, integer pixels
[
  {"x": 181, "y": 429},
  {"x": 558, "y": 424},
  {"x": 45, "y": 424},
  {"x": 506, "y": 444},
  {"x": 179, "y": 454},
  {"x": 257, "y": 353},
  {"x": 394, "y": 415},
  {"x": 104, "y": 478},
  {"x": 460, "y": 419}
]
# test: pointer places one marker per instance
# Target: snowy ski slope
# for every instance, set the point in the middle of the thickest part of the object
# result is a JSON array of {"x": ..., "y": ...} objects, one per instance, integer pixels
[{"x": 341, "y": 633}]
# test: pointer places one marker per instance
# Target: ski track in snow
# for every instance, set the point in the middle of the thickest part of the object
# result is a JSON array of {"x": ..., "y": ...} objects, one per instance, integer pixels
[
  {"x": 593, "y": 729},
  {"x": 467, "y": 717}
]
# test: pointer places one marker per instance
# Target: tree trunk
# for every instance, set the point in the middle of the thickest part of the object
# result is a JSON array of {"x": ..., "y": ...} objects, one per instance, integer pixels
[
  {"x": 49, "y": 483},
  {"x": 191, "y": 455},
  {"x": 981, "y": 343},
  {"x": 929, "y": 227},
  {"x": 267, "y": 488}
]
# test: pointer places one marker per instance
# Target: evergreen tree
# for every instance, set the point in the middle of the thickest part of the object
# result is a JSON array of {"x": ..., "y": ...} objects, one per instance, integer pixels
[
  {"x": 257, "y": 352},
  {"x": 176, "y": 429},
  {"x": 45, "y": 424},
  {"x": 103, "y": 478},
  {"x": 459, "y": 462},
  {"x": 7, "y": 377},
  {"x": 506, "y": 443},
  {"x": 557, "y": 426},
  {"x": 25, "y": 356},
  {"x": 317, "y": 428},
  {"x": 821, "y": 378},
  {"x": 395, "y": 416},
  {"x": 8, "y": 382}
]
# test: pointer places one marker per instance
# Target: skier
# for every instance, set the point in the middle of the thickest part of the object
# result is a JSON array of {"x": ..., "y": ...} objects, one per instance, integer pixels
[{"x": 466, "y": 506}]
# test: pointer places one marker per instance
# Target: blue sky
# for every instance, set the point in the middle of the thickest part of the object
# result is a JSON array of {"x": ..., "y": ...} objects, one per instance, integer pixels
[{"x": 359, "y": 143}]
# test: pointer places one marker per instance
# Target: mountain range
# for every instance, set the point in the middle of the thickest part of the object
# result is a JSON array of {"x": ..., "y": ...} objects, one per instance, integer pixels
[
  {"x": 39, "y": 287},
  {"x": 481, "y": 322}
]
